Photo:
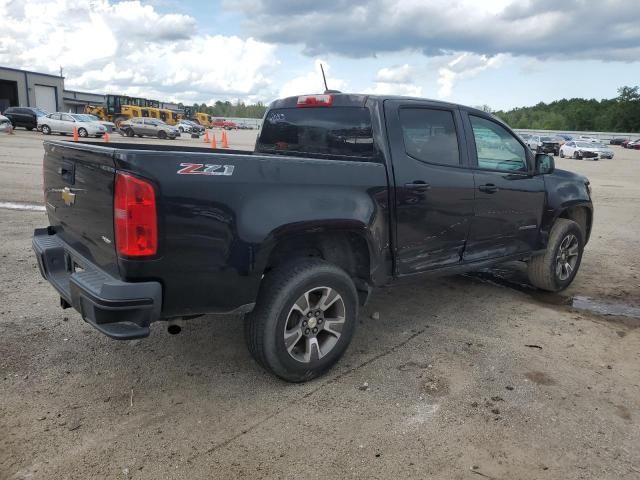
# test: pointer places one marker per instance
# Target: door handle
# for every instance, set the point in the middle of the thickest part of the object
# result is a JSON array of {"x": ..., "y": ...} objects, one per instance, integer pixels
[
  {"x": 418, "y": 185},
  {"x": 488, "y": 188}
]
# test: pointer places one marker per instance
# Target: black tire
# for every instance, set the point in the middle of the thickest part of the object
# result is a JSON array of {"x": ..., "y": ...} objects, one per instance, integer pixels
[
  {"x": 29, "y": 128},
  {"x": 542, "y": 269},
  {"x": 46, "y": 130},
  {"x": 162, "y": 134},
  {"x": 140, "y": 136},
  {"x": 129, "y": 132},
  {"x": 82, "y": 132},
  {"x": 575, "y": 155},
  {"x": 561, "y": 154},
  {"x": 265, "y": 326}
]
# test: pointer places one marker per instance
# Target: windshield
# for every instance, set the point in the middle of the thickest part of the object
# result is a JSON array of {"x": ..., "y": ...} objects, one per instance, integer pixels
[
  {"x": 585, "y": 145},
  {"x": 546, "y": 139},
  {"x": 39, "y": 113},
  {"x": 81, "y": 118},
  {"x": 92, "y": 118}
]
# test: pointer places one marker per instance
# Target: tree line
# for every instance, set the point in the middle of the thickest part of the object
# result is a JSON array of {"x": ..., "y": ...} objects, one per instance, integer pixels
[
  {"x": 228, "y": 109},
  {"x": 619, "y": 114}
]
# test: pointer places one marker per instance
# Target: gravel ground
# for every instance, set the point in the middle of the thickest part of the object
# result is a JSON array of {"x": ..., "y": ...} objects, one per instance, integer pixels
[{"x": 466, "y": 377}]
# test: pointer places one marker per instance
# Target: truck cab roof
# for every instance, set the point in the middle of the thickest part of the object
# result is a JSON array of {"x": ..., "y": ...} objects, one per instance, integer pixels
[{"x": 361, "y": 99}]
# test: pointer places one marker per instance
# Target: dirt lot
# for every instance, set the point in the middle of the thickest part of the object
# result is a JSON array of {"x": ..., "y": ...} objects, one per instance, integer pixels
[{"x": 468, "y": 377}]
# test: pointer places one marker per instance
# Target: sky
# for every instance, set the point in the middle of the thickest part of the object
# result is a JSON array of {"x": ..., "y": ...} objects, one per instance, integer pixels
[{"x": 500, "y": 53}]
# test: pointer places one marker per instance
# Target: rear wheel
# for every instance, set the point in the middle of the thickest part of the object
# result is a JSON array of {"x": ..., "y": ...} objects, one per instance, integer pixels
[
  {"x": 29, "y": 128},
  {"x": 304, "y": 319},
  {"x": 556, "y": 269}
]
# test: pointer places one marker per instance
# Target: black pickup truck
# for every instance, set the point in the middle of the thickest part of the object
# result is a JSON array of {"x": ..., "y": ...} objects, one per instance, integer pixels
[{"x": 343, "y": 193}]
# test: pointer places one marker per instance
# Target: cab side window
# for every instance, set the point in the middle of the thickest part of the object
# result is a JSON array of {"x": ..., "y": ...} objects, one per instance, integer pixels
[
  {"x": 430, "y": 135},
  {"x": 496, "y": 147}
]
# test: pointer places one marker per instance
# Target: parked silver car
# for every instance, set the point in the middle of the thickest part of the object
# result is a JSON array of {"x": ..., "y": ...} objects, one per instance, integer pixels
[
  {"x": 64, "y": 123},
  {"x": 150, "y": 127}
]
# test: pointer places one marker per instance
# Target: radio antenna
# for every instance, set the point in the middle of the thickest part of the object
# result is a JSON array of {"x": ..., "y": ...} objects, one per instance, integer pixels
[{"x": 326, "y": 89}]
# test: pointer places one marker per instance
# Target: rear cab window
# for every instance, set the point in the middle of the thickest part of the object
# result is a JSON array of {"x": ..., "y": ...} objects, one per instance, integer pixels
[
  {"x": 337, "y": 132},
  {"x": 430, "y": 135}
]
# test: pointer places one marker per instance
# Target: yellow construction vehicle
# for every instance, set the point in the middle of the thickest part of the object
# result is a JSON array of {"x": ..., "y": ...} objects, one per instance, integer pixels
[
  {"x": 199, "y": 117},
  {"x": 120, "y": 108},
  {"x": 203, "y": 119}
]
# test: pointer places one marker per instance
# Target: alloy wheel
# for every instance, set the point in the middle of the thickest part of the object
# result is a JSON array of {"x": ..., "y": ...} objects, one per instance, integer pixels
[
  {"x": 567, "y": 257},
  {"x": 314, "y": 324}
]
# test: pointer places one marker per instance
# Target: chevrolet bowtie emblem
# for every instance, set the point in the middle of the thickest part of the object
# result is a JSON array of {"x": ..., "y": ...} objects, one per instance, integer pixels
[{"x": 68, "y": 196}]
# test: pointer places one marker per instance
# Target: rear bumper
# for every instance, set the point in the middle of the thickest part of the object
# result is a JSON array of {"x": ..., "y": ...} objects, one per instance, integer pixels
[{"x": 120, "y": 310}]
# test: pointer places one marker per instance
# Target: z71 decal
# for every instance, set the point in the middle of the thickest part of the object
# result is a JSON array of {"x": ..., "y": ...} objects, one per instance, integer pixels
[{"x": 205, "y": 169}]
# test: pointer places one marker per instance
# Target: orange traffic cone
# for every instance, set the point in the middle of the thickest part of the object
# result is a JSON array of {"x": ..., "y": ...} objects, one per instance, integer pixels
[
  {"x": 206, "y": 136},
  {"x": 105, "y": 137},
  {"x": 75, "y": 134},
  {"x": 213, "y": 140},
  {"x": 225, "y": 140}
]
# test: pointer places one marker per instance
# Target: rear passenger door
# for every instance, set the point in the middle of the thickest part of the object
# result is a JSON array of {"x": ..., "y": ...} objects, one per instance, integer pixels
[
  {"x": 509, "y": 199},
  {"x": 434, "y": 189}
]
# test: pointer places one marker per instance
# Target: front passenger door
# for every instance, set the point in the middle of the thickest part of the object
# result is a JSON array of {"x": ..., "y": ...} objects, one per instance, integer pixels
[{"x": 509, "y": 200}]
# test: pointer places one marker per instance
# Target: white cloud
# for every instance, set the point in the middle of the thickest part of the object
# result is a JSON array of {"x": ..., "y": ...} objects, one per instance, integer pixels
[
  {"x": 395, "y": 74},
  {"x": 311, "y": 82},
  {"x": 462, "y": 66},
  {"x": 130, "y": 48},
  {"x": 395, "y": 80},
  {"x": 385, "y": 88}
]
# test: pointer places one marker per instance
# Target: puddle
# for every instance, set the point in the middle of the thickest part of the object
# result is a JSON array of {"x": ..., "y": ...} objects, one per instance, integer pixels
[
  {"x": 516, "y": 279},
  {"x": 608, "y": 309}
]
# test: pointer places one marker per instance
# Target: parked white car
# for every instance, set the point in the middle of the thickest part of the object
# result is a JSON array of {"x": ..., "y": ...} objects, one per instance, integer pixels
[
  {"x": 64, "y": 123},
  {"x": 580, "y": 150},
  {"x": 587, "y": 138},
  {"x": 5, "y": 123}
]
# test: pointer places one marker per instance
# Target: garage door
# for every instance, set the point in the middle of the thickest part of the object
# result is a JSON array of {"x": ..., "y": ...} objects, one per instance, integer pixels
[{"x": 46, "y": 98}]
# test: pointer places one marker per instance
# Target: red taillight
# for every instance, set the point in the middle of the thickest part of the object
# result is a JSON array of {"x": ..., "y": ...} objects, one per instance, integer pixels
[
  {"x": 134, "y": 212},
  {"x": 315, "y": 101}
]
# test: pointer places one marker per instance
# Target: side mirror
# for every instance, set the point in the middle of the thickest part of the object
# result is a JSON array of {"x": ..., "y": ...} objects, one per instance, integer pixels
[{"x": 544, "y": 164}]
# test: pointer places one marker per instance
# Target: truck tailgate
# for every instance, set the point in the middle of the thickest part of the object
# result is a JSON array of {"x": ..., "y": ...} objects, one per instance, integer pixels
[{"x": 78, "y": 193}]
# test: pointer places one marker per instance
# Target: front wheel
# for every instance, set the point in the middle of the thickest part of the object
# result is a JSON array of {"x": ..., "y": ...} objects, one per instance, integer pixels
[
  {"x": 556, "y": 269},
  {"x": 162, "y": 134},
  {"x": 46, "y": 130},
  {"x": 83, "y": 132},
  {"x": 561, "y": 154},
  {"x": 304, "y": 319}
]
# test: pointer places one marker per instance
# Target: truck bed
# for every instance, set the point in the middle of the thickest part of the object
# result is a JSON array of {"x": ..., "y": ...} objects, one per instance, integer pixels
[{"x": 219, "y": 212}]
